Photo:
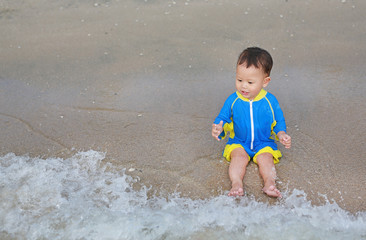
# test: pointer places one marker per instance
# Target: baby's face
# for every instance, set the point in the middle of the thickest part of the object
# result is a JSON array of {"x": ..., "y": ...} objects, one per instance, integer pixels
[{"x": 250, "y": 81}]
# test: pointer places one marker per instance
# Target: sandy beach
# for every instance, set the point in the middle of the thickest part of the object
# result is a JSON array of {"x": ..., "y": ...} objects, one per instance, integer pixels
[{"x": 143, "y": 81}]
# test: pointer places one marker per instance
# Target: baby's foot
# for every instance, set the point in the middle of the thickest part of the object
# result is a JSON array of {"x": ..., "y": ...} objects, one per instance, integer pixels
[
  {"x": 272, "y": 191},
  {"x": 236, "y": 190}
]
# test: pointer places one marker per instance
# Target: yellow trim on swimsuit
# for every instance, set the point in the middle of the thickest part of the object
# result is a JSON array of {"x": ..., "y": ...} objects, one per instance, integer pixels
[
  {"x": 275, "y": 153},
  {"x": 260, "y": 95}
]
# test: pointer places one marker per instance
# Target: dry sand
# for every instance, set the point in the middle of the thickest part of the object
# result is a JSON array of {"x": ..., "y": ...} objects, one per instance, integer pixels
[{"x": 143, "y": 80}]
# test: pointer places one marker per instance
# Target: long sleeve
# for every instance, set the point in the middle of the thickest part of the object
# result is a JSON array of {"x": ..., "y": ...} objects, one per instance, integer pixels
[
  {"x": 280, "y": 119},
  {"x": 225, "y": 116}
]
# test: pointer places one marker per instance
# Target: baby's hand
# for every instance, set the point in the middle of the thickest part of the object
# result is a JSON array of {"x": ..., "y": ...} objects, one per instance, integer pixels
[
  {"x": 216, "y": 130},
  {"x": 284, "y": 139}
]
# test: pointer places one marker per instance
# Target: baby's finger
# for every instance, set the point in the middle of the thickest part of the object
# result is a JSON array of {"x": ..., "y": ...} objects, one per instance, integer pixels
[{"x": 216, "y": 137}]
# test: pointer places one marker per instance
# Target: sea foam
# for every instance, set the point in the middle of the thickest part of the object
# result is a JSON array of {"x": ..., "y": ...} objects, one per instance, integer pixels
[{"x": 83, "y": 198}]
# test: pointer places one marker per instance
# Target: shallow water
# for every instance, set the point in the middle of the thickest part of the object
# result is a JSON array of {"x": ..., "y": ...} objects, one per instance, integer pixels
[{"x": 82, "y": 197}]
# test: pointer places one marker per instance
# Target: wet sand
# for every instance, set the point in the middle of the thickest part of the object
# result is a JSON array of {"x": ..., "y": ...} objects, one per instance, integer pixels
[{"x": 143, "y": 80}]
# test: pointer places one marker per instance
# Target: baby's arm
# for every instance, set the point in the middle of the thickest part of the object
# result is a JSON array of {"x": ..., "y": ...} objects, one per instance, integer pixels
[
  {"x": 217, "y": 130},
  {"x": 284, "y": 138}
]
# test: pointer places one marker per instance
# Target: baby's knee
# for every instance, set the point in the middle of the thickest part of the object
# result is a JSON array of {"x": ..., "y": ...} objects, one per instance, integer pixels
[
  {"x": 240, "y": 154},
  {"x": 265, "y": 157}
]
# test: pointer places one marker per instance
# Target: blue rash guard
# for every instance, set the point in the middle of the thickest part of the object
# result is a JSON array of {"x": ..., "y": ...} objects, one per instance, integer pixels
[{"x": 253, "y": 124}]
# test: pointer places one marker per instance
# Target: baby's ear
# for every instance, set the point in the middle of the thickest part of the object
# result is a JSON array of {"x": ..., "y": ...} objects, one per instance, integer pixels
[{"x": 266, "y": 81}]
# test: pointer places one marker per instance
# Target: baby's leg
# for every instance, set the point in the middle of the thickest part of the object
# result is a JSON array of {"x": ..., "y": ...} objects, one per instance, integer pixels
[
  {"x": 268, "y": 173},
  {"x": 238, "y": 164}
]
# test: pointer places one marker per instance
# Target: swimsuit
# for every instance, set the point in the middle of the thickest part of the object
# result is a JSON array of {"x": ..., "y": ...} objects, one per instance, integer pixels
[{"x": 252, "y": 124}]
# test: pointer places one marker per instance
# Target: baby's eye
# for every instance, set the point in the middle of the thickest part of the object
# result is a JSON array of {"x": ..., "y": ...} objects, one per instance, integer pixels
[
  {"x": 250, "y": 82},
  {"x": 239, "y": 80}
]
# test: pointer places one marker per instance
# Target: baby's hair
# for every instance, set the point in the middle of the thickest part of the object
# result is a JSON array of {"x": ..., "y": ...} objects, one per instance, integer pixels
[{"x": 257, "y": 57}]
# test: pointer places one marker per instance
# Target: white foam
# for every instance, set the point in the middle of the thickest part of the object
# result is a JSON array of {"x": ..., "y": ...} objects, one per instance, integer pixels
[{"x": 77, "y": 198}]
